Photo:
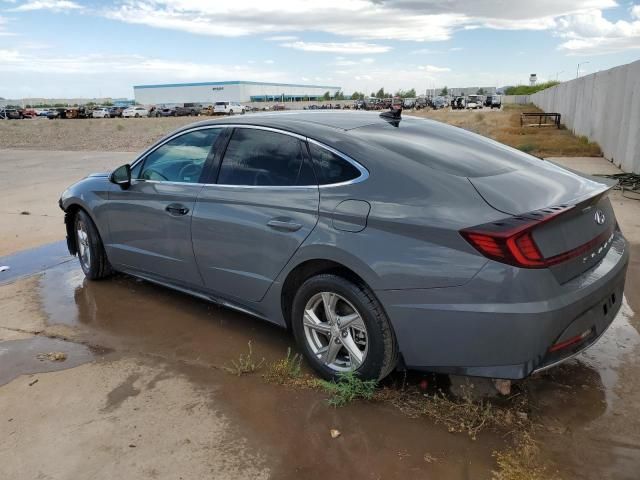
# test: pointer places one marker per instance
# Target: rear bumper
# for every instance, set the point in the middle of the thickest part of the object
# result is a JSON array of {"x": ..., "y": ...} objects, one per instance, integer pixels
[{"x": 503, "y": 322}]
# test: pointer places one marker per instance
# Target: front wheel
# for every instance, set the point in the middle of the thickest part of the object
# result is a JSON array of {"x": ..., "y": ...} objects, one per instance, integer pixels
[
  {"x": 91, "y": 254},
  {"x": 341, "y": 327}
]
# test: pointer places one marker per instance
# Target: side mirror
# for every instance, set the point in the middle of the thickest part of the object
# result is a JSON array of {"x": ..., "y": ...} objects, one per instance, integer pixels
[{"x": 121, "y": 176}]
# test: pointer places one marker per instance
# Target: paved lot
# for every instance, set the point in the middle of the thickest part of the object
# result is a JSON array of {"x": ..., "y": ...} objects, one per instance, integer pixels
[{"x": 143, "y": 392}]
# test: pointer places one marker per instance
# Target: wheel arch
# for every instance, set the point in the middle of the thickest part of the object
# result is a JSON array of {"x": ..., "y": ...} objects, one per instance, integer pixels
[
  {"x": 70, "y": 212},
  {"x": 307, "y": 269}
]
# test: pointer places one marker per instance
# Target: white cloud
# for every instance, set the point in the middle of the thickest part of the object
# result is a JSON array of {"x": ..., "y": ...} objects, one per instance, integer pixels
[
  {"x": 3, "y": 32},
  {"x": 56, "y": 5},
  {"x": 590, "y": 33},
  {"x": 412, "y": 20},
  {"x": 133, "y": 65},
  {"x": 433, "y": 69},
  {"x": 357, "y": 48},
  {"x": 282, "y": 38},
  {"x": 269, "y": 62}
]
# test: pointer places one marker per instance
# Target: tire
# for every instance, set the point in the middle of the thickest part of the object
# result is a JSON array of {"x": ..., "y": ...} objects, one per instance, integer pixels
[
  {"x": 230, "y": 112},
  {"x": 95, "y": 265},
  {"x": 377, "y": 344},
  {"x": 137, "y": 115}
]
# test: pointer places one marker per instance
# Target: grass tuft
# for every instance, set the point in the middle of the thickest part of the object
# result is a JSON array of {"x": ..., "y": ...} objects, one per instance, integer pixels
[
  {"x": 245, "y": 364},
  {"x": 288, "y": 371},
  {"x": 522, "y": 462},
  {"x": 349, "y": 387}
]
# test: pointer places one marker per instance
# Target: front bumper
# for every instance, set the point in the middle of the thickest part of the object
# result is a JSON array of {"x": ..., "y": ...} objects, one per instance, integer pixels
[{"x": 503, "y": 322}]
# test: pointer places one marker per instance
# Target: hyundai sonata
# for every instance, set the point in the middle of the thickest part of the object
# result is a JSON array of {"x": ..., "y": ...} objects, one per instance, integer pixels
[{"x": 379, "y": 241}]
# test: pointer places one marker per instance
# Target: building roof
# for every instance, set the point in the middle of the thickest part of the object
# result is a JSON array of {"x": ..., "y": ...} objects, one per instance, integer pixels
[{"x": 232, "y": 82}]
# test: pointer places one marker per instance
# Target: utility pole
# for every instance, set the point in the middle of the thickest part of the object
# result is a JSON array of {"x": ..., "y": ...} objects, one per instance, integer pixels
[
  {"x": 578, "y": 68},
  {"x": 558, "y": 73}
]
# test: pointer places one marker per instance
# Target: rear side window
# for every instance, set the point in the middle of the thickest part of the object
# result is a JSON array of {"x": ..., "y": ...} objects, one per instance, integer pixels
[
  {"x": 262, "y": 158},
  {"x": 330, "y": 168}
]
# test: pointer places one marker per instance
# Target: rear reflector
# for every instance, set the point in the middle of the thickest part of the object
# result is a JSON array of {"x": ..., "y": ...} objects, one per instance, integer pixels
[
  {"x": 569, "y": 342},
  {"x": 511, "y": 240}
]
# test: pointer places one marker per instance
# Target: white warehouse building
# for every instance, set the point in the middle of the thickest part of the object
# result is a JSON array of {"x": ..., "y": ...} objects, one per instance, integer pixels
[{"x": 233, "y": 91}]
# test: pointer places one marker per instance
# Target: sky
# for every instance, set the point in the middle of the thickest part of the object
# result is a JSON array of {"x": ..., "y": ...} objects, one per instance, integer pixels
[{"x": 74, "y": 48}]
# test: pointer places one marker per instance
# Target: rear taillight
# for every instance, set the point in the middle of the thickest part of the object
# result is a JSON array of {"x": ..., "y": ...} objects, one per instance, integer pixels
[{"x": 511, "y": 240}]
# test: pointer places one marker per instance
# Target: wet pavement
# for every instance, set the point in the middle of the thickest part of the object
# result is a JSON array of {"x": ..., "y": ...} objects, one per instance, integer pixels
[{"x": 588, "y": 408}]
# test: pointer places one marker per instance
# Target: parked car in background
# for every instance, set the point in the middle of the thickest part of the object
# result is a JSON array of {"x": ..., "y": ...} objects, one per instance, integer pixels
[
  {"x": 522, "y": 268},
  {"x": 421, "y": 102},
  {"x": 135, "y": 112},
  {"x": 191, "y": 109},
  {"x": 115, "y": 111},
  {"x": 101, "y": 112},
  {"x": 42, "y": 112},
  {"x": 473, "y": 102},
  {"x": 29, "y": 113},
  {"x": 438, "y": 103},
  {"x": 458, "y": 103},
  {"x": 13, "y": 114},
  {"x": 228, "y": 108},
  {"x": 281, "y": 106},
  {"x": 496, "y": 101},
  {"x": 54, "y": 113},
  {"x": 167, "y": 112},
  {"x": 409, "y": 103}
]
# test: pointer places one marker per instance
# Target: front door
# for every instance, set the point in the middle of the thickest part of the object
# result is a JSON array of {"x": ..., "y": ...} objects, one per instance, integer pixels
[
  {"x": 150, "y": 222},
  {"x": 249, "y": 224}
]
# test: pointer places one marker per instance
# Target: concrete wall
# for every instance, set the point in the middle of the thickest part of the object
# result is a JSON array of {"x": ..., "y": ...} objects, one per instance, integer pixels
[
  {"x": 517, "y": 99},
  {"x": 605, "y": 107}
]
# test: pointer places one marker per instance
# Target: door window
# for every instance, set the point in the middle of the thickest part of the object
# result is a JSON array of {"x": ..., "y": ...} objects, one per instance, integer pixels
[
  {"x": 263, "y": 158},
  {"x": 181, "y": 159}
]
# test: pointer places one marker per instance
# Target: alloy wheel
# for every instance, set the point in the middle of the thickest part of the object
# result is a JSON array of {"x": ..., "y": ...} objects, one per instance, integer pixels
[
  {"x": 335, "y": 332},
  {"x": 84, "y": 249}
]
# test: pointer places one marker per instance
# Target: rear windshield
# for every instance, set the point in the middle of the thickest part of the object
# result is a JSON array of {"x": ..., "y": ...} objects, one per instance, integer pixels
[
  {"x": 443, "y": 147},
  {"x": 221, "y": 104}
]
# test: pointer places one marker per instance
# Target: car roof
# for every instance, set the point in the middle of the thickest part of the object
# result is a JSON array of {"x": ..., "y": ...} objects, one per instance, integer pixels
[{"x": 303, "y": 122}]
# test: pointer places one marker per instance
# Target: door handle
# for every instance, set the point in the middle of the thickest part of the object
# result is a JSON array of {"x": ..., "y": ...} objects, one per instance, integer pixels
[
  {"x": 176, "y": 209},
  {"x": 286, "y": 225}
]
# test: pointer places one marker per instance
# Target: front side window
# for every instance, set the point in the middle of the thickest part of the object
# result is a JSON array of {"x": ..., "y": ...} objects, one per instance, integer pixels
[
  {"x": 331, "y": 168},
  {"x": 181, "y": 159},
  {"x": 263, "y": 158}
]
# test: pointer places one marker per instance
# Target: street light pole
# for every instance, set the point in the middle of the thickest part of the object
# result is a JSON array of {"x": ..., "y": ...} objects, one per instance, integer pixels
[{"x": 578, "y": 68}]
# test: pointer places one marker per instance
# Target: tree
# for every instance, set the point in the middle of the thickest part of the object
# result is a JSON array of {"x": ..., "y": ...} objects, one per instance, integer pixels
[
  {"x": 480, "y": 91},
  {"x": 339, "y": 95},
  {"x": 357, "y": 95},
  {"x": 411, "y": 93},
  {"x": 326, "y": 96},
  {"x": 444, "y": 92},
  {"x": 380, "y": 93}
]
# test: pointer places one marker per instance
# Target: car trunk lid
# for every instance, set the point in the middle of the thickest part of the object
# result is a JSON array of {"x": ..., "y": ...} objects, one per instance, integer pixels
[{"x": 582, "y": 225}]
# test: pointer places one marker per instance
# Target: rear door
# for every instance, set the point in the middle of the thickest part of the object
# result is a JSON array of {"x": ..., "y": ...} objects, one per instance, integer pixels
[
  {"x": 251, "y": 220},
  {"x": 150, "y": 222}
]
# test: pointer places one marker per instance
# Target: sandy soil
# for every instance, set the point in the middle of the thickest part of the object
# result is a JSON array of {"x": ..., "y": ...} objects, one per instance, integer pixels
[
  {"x": 143, "y": 392},
  {"x": 31, "y": 183},
  {"x": 93, "y": 134}
]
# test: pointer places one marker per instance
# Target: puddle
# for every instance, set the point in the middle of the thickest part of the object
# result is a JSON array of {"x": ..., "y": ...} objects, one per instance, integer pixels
[
  {"x": 588, "y": 408},
  {"x": 128, "y": 314},
  {"x": 20, "y": 357},
  {"x": 32, "y": 261}
]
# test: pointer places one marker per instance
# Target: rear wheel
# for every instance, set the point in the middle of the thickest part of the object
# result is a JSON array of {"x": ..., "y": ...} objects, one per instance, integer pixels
[
  {"x": 230, "y": 112},
  {"x": 341, "y": 327},
  {"x": 91, "y": 254}
]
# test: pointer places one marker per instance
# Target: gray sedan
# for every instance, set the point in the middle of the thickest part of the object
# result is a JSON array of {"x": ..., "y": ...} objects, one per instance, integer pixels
[{"x": 379, "y": 241}]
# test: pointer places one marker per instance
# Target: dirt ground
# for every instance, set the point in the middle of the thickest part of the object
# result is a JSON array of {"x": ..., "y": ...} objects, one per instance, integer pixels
[
  {"x": 133, "y": 134},
  {"x": 143, "y": 391}
]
